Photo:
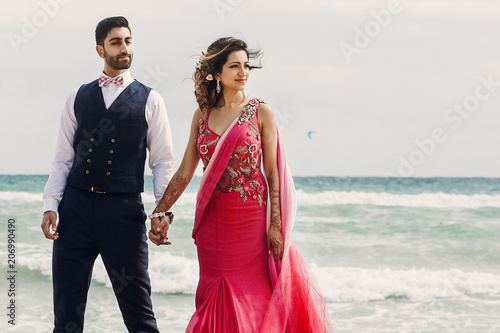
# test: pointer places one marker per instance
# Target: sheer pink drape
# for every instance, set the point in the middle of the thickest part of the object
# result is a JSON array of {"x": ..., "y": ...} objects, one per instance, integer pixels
[{"x": 297, "y": 304}]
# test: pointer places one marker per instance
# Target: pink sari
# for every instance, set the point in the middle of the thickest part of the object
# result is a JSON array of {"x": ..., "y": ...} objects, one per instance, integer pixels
[{"x": 296, "y": 304}]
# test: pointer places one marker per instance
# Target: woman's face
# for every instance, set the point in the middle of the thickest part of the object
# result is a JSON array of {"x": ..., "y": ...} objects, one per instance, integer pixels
[{"x": 235, "y": 71}]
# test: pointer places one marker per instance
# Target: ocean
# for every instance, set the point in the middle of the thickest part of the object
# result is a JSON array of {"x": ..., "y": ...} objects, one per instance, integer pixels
[{"x": 390, "y": 255}]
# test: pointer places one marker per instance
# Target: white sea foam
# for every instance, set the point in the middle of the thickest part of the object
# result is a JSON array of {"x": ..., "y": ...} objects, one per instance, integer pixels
[
  {"x": 168, "y": 273},
  {"x": 187, "y": 198},
  {"x": 171, "y": 273},
  {"x": 331, "y": 198},
  {"x": 351, "y": 284},
  {"x": 35, "y": 258},
  {"x": 179, "y": 274},
  {"x": 438, "y": 199},
  {"x": 21, "y": 197}
]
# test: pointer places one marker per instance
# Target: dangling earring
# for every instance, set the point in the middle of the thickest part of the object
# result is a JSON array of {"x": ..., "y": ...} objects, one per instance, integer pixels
[{"x": 218, "y": 88}]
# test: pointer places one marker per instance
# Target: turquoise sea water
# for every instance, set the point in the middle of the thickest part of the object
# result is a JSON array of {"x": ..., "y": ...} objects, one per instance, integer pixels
[{"x": 390, "y": 255}]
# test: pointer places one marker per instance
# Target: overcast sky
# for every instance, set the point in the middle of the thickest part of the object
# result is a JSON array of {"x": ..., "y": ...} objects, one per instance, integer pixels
[{"x": 360, "y": 88}]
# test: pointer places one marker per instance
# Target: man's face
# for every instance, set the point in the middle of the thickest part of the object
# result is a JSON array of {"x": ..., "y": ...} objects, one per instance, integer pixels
[{"x": 117, "y": 50}]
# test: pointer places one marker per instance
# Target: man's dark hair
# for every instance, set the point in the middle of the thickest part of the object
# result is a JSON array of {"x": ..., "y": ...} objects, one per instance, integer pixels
[{"x": 105, "y": 26}]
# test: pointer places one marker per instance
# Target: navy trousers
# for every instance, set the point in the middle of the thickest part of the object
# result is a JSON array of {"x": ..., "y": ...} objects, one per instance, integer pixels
[{"x": 112, "y": 225}]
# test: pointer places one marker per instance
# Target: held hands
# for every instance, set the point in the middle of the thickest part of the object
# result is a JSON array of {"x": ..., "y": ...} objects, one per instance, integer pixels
[
  {"x": 275, "y": 242},
  {"x": 50, "y": 218},
  {"x": 159, "y": 230}
]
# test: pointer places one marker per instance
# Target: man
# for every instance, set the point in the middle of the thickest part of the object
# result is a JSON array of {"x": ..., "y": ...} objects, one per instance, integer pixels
[{"x": 96, "y": 182}]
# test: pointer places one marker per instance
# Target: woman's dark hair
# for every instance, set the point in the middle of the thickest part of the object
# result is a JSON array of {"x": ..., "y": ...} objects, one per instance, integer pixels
[
  {"x": 105, "y": 26},
  {"x": 211, "y": 64}
]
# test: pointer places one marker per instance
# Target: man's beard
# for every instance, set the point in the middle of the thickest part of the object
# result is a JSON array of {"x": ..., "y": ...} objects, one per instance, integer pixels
[{"x": 116, "y": 63}]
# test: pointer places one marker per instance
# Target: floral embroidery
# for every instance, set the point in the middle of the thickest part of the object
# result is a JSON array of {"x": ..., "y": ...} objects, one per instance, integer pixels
[
  {"x": 203, "y": 149},
  {"x": 252, "y": 149},
  {"x": 246, "y": 176},
  {"x": 255, "y": 173},
  {"x": 249, "y": 111},
  {"x": 243, "y": 170},
  {"x": 240, "y": 179},
  {"x": 261, "y": 189},
  {"x": 252, "y": 188},
  {"x": 255, "y": 132},
  {"x": 205, "y": 143}
]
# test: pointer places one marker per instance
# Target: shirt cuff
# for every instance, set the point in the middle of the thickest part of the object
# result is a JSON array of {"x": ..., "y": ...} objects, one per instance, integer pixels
[{"x": 50, "y": 204}]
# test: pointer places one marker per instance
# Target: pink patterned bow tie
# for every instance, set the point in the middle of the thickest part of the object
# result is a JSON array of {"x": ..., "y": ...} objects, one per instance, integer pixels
[{"x": 104, "y": 80}]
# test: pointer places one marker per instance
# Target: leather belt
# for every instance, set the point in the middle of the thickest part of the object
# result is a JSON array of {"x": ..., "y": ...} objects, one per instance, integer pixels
[{"x": 96, "y": 189}]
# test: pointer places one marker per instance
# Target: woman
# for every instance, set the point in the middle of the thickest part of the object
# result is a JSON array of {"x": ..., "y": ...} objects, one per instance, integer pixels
[{"x": 238, "y": 219}]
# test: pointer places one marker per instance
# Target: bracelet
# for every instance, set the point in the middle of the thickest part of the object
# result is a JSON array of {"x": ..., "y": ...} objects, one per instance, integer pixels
[{"x": 161, "y": 214}]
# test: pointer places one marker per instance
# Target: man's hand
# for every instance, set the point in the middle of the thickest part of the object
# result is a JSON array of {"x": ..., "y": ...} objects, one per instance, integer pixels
[
  {"x": 159, "y": 230},
  {"x": 50, "y": 218},
  {"x": 275, "y": 242}
]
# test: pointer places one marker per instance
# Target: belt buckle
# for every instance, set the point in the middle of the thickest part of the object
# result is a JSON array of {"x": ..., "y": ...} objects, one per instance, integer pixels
[{"x": 94, "y": 189}]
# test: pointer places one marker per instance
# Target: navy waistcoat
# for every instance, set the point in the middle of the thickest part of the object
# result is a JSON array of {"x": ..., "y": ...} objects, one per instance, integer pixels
[{"x": 110, "y": 144}]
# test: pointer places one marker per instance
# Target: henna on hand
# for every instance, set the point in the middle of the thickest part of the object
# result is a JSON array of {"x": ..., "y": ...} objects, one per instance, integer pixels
[
  {"x": 275, "y": 243},
  {"x": 174, "y": 190},
  {"x": 274, "y": 198},
  {"x": 159, "y": 227},
  {"x": 275, "y": 235}
]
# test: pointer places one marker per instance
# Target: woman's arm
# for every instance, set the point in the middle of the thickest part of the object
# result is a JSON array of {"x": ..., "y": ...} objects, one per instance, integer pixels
[
  {"x": 270, "y": 149},
  {"x": 179, "y": 182}
]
